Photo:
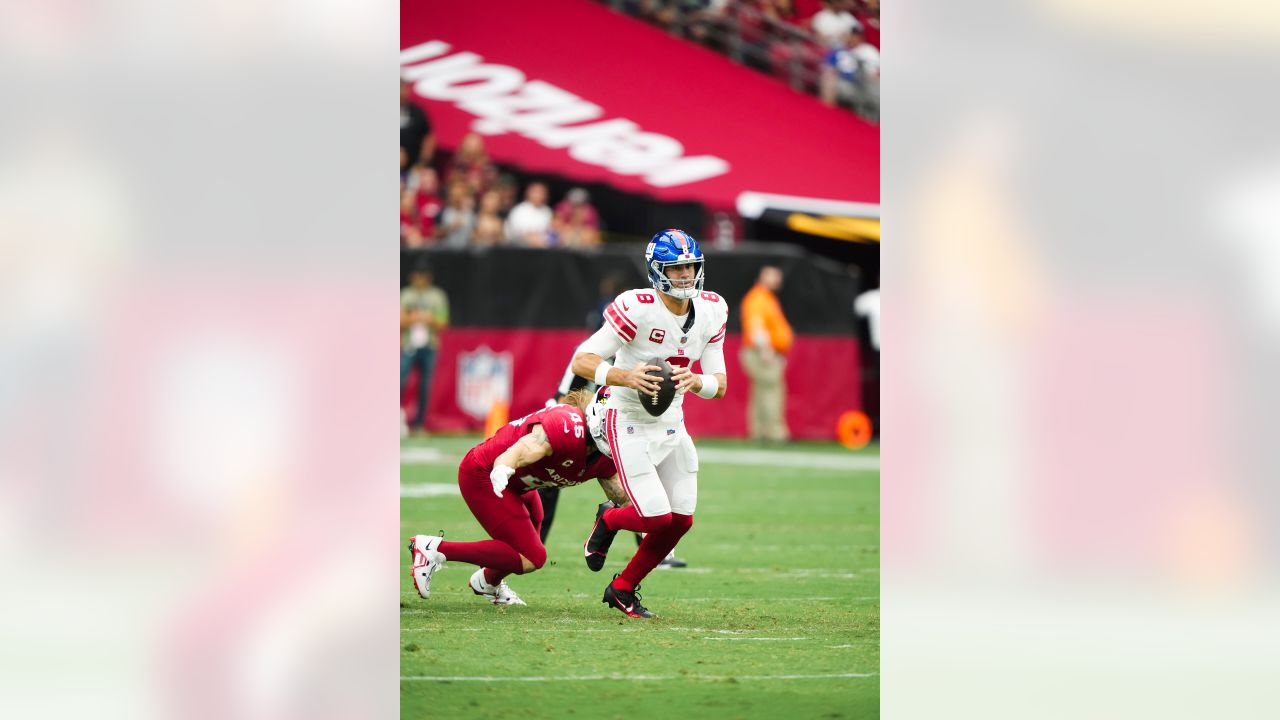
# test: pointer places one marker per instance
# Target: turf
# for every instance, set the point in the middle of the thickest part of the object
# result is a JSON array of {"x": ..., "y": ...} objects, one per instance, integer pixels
[{"x": 776, "y": 552}]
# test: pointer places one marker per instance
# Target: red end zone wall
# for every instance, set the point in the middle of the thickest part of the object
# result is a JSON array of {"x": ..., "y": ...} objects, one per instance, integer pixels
[{"x": 822, "y": 381}]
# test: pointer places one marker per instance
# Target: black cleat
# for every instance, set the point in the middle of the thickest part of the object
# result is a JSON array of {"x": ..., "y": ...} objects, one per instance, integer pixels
[
  {"x": 596, "y": 548},
  {"x": 671, "y": 561},
  {"x": 626, "y": 601}
]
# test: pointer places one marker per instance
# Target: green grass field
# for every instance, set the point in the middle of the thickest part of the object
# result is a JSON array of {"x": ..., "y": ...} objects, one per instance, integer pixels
[{"x": 777, "y": 616}]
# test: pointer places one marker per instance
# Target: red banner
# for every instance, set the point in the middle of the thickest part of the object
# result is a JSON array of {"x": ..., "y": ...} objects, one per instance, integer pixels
[
  {"x": 474, "y": 366},
  {"x": 571, "y": 88}
]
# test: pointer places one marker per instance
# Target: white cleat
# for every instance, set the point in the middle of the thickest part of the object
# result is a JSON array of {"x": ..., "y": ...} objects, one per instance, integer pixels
[
  {"x": 498, "y": 594},
  {"x": 427, "y": 559}
]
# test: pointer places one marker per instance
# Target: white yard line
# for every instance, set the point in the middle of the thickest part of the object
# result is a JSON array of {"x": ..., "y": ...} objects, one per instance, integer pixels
[
  {"x": 741, "y": 600},
  {"x": 713, "y": 456},
  {"x": 754, "y": 638},
  {"x": 612, "y": 628},
  {"x": 428, "y": 490},
  {"x": 776, "y": 458},
  {"x": 427, "y": 456},
  {"x": 634, "y": 678}
]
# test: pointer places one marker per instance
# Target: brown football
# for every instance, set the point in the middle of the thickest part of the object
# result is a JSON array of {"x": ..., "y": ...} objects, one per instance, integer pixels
[{"x": 655, "y": 405}]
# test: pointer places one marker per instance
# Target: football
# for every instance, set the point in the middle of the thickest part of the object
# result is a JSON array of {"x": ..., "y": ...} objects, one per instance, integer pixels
[{"x": 655, "y": 405}]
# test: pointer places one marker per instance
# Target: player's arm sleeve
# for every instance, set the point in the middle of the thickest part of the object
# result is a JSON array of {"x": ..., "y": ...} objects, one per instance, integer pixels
[
  {"x": 605, "y": 342},
  {"x": 713, "y": 356},
  {"x": 713, "y": 359},
  {"x": 618, "y": 319}
]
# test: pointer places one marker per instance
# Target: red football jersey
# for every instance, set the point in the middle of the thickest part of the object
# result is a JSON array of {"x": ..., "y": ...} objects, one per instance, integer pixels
[{"x": 566, "y": 465}]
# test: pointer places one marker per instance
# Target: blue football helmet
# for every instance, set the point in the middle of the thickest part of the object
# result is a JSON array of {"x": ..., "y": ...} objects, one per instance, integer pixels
[{"x": 668, "y": 249}]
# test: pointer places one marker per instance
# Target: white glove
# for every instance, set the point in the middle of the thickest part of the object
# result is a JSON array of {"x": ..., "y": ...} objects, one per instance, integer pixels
[{"x": 499, "y": 477}]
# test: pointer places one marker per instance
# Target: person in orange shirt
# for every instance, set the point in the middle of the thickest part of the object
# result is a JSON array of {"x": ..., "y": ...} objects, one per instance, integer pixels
[{"x": 766, "y": 339}]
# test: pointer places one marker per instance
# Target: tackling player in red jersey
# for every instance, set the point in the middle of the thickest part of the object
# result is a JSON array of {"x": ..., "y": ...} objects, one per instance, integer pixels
[{"x": 548, "y": 448}]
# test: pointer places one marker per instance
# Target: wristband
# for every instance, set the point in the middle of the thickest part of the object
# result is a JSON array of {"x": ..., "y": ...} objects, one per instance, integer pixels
[
  {"x": 602, "y": 373},
  {"x": 709, "y": 387}
]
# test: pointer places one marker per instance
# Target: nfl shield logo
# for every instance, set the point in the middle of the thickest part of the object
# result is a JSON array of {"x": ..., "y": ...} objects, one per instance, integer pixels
[{"x": 484, "y": 377}]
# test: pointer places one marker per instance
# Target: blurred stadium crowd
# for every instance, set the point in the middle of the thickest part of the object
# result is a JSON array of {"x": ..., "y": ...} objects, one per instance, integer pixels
[
  {"x": 829, "y": 48},
  {"x": 465, "y": 200}
]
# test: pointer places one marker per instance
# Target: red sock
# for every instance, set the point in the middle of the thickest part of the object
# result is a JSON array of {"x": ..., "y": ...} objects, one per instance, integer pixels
[
  {"x": 485, "y": 553},
  {"x": 653, "y": 549},
  {"x": 493, "y": 577},
  {"x": 623, "y": 518}
]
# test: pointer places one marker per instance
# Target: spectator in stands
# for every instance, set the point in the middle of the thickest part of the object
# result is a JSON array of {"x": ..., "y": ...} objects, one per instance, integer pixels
[
  {"x": 489, "y": 226},
  {"x": 422, "y": 179},
  {"x": 471, "y": 165},
  {"x": 458, "y": 219},
  {"x": 508, "y": 190},
  {"x": 782, "y": 10},
  {"x": 529, "y": 223},
  {"x": 417, "y": 140},
  {"x": 411, "y": 230},
  {"x": 702, "y": 21},
  {"x": 766, "y": 339},
  {"x": 805, "y": 10},
  {"x": 833, "y": 22},
  {"x": 751, "y": 23},
  {"x": 577, "y": 198},
  {"x": 424, "y": 315},
  {"x": 793, "y": 54},
  {"x": 578, "y": 231},
  {"x": 869, "y": 18},
  {"x": 424, "y": 182},
  {"x": 851, "y": 74}
]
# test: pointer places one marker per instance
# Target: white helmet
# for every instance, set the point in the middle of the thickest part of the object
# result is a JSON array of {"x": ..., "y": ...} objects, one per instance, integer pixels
[{"x": 595, "y": 420}]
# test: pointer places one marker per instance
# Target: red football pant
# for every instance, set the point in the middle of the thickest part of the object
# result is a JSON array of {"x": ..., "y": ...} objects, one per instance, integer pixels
[{"x": 512, "y": 520}]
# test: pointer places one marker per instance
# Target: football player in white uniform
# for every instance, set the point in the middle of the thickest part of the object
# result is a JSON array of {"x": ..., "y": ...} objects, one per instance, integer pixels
[
  {"x": 678, "y": 321},
  {"x": 551, "y": 495}
]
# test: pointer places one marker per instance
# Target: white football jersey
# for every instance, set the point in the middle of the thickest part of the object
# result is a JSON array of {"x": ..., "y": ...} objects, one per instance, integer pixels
[{"x": 648, "y": 330}]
